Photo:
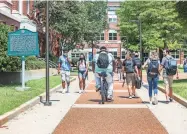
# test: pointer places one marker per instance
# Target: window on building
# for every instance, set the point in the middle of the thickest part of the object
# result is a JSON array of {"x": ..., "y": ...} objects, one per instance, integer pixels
[
  {"x": 75, "y": 55},
  {"x": 113, "y": 8},
  {"x": 175, "y": 54},
  {"x": 111, "y": 13},
  {"x": 114, "y": 53},
  {"x": 185, "y": 54},
  {"x": 101, "y": 37},
  {"x": 112, "y": 20},
  {"x": 123, "y": 55},
  {"x": 112, "y": 35}
]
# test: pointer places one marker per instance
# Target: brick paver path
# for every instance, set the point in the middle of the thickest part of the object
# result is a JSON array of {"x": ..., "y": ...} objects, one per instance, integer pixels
[{"x": 122, "y": 116}]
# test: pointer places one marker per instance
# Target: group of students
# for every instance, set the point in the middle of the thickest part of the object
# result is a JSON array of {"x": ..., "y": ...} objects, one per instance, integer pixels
[
  {"x": 153, "y": 71},
  {"x": 130, "y": 69}
]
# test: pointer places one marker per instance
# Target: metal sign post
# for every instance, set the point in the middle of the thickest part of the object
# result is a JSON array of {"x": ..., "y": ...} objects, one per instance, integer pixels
[
  {"x": 23, "y": 71},
  {"x": 47, "y": 103}
]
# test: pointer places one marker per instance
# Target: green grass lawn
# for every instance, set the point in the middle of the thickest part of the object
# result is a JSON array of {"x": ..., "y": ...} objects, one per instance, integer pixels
[
  {"x": 179, "y": 87},
  {"x": 10, "y": 98}
]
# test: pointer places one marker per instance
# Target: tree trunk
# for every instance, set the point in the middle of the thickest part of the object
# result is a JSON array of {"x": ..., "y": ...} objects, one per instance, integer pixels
[{"x": 165, "y": 45}]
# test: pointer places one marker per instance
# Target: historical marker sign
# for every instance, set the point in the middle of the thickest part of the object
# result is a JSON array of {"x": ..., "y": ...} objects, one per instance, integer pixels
[{"x": 23, "y": 43}]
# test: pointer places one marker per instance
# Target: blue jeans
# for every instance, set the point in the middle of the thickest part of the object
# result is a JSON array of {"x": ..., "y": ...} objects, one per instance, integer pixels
[
  {"x": 109, "y": 80},
  {"x": 153, "y": 85}
]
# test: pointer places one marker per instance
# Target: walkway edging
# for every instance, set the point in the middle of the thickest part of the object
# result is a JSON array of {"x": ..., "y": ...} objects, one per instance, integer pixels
[
  {"x": 15, "y": 112},
  {"x": 176, "y": 97}
]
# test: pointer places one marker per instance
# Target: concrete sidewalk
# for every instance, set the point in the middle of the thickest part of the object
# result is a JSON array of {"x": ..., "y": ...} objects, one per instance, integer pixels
[
  {"x": 172, "y": 116},
  {"x": 43, "y": 120}
]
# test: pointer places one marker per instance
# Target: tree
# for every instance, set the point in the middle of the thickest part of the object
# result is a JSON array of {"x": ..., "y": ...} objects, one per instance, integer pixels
[
  {"x": 161, "y": 27},
  {"x": 7, "y": 63},
  {"x": 76, "y": 21}
]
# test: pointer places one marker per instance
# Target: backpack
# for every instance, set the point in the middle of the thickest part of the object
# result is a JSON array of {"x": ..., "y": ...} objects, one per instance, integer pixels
[
  {"x": 119, "y": 65},
  {"x": 185, "y": 61},
  {"x": 171, "y": 68},
  {"x": 129, "y": 66},
  {"x": 138, "y": 62},
  {"x": 103, "y": 60},
  {"x": 153, "y": 68}
]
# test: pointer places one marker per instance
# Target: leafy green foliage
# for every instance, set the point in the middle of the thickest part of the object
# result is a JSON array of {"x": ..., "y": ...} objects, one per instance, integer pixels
[
  {"x": 161, "y": 27},
  {"x": 76, "y": 21},
  {"x": 7, "y": 63},
  {"x": 33, "y": 63}
]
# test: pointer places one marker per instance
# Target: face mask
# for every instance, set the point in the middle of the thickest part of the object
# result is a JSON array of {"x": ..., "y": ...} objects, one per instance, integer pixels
[
  {"x": 65, "y": 54},
  {"x": 81, "y": 58}
]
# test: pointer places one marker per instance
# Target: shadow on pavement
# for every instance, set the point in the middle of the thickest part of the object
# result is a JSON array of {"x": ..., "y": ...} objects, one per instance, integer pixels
[
  {"x": 95, "y": 100},
  {"x": 161, "y": 101},
  {"x": 128, "y": 97}
]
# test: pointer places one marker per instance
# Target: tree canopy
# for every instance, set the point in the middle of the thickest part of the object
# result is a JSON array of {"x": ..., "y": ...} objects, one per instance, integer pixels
[
  {"x": 161, "y": 27},
  {"x": 76, "y": 21}
]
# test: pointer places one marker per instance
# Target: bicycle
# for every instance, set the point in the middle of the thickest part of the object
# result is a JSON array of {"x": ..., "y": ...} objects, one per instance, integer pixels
[{"x": 104, "y": 87}]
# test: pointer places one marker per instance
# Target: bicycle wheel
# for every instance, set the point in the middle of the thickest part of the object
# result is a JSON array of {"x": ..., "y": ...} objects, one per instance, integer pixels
[
  {"x": 105, "y": 85},
  {"x": 103, "y": 92}
]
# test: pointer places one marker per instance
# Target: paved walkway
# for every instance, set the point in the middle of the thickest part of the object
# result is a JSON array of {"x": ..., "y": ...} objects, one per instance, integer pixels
[{"x": 81, "y": 114}]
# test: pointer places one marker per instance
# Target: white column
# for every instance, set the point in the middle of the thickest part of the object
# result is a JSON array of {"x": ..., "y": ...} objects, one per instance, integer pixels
[{"x": 21, "y": 7}]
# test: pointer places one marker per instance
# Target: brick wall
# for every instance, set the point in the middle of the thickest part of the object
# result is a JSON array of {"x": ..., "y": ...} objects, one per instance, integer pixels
[
  {"x": 15, "y": 5},
  {"x": 24, "y": 8}
]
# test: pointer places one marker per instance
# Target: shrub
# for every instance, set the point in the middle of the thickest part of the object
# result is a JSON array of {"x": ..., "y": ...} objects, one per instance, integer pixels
[
  {"x": 7, "y": 63},
  {"x": 33, "y": 63}
]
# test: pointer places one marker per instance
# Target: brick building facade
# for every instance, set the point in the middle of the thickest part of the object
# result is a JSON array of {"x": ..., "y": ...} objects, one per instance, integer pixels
[
  {"x": 109, "y": 37},
  {"x": 16, "y": 13}
]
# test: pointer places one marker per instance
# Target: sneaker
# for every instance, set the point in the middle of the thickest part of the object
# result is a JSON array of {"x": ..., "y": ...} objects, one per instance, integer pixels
[
  {"x": 83, "y": 91},
  {"x": 80, "y": 91},
  {"x": 150, "y": 102},
  {"x": 63, "y": 91},
  {"x": 155, "y": 101},
  {"x": 170, "y": 99},
  {"x": 109, "y": 99},
  {"x": 130, "y": 97},
  {"x": 67, "y": 91},
  {"x": 133, "y": 96}
]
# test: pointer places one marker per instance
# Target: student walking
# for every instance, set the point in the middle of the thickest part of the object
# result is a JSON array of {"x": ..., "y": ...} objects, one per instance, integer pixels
[
  {"x": 169, "y": 66},
  {"x": 119, "y": 68},
  {"x": 185, "y": 65},
  {"x": 129, "y": 68},
  {"x": 153, "y": 76},
  {"x": 64, "y": 69},
  {"x": 82, "y": 72}
]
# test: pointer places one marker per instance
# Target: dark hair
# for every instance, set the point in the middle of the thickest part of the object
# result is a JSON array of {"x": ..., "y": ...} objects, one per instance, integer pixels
[
  {"x": 103, "y": 47},
  {"x": 167, "y": 51},
  {"x": 83, "y": 57}
]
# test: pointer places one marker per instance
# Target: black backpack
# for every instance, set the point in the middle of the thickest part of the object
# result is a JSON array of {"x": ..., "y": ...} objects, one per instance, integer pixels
[
  {"x": 138, "y": 62},
  {"x": 153, "y": 68},
  {"x": 129, "y": 66},
  {"x": 103, "y": 60},
  {"x": 171, "y": 68},
  {"x": 119, "y": 65}
]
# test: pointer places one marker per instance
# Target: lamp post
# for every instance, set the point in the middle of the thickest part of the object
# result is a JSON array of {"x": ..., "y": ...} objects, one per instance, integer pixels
[
  {"x": 138, "y": 22},
  {"x": 47, "y": 103}
]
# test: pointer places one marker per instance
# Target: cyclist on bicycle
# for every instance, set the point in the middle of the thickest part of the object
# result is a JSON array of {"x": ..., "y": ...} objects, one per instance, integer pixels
[{"x": 104, "y": 62}]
